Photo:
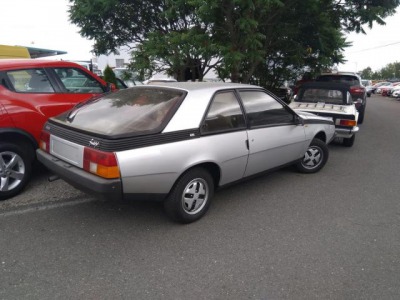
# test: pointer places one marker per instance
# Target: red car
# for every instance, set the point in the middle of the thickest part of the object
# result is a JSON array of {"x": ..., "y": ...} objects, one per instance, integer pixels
[{"x": 31, "y": 91}]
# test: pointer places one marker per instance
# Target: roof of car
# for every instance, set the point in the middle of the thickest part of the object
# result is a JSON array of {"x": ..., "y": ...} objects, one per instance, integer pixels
[
  {"x": 32, "y": 63},
  {"x": 339, "y": 73},
  {"x": 326, "y": 86},
  {"x": 195, "y": 86}
]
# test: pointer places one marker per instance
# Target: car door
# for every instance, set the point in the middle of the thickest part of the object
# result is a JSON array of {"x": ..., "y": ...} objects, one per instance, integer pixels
[
  {"x": 32, "y": 99},
  {"x": 225, "y": 136},
  {"x": 275, "y": 138}
]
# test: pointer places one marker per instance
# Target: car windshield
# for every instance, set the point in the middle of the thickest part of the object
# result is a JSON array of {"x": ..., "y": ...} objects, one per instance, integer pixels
[
  {"x": 129, "y": 111},
  {"x": 314, "y": 95}
]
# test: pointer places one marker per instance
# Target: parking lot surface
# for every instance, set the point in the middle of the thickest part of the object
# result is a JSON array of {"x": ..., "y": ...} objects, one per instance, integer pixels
[{"x": 330, "y": 235}]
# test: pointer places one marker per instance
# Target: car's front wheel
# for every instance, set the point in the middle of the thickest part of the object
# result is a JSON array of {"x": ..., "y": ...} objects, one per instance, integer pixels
[
  {"x": 315, "y": 157},
  {"x": 190, "y": 197},
  {"x": 15, "y": 169}
]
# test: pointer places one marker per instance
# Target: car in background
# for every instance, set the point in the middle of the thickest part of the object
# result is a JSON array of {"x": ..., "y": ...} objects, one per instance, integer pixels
[
  {"x": 368, "y": 86},
  {"x": 330, "y": 100},
  {"x": 31, "y": 91},
  {"x": 124, "y": 84},
  {"x": 395, "y": 93},
  {"x": 387, "y": 90},
  {"x": 376, "y": 87},
  {"x": 178, "y": 142},
  {"x": 285, "y": 93},
  {"x": 126, "y": 78},
  {"x": 357, "y": 90}
]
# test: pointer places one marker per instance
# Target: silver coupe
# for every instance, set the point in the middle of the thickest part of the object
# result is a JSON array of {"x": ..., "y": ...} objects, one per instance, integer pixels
[{"x": 178, "y": 142}]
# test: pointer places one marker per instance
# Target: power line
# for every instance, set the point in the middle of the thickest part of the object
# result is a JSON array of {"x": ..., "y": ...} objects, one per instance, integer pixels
[{"x": 377, "y": 47}]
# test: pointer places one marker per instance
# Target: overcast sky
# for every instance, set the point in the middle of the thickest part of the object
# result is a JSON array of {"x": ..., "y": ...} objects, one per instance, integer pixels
[
  {"x": 45, "y": 24},
  {"x": 42, "y": 24}
]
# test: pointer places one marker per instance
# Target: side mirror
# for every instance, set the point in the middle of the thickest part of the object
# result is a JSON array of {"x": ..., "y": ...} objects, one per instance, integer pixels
[
  {"x": 111, "y": 87},
  {"x": 298, "y": 120}
]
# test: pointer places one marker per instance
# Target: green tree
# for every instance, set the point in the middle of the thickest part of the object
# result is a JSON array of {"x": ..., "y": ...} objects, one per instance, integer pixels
[
  {"x": 390, "y": 71},
  {"x": 367, "y": 73},
  {"x": 109, "y": 75},
  {"x": 167, "y": 35},
  {"x": 260, "y": 41}
]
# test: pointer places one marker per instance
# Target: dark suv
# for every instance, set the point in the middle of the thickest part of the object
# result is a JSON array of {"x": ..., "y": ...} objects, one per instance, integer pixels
[
  {"x": 31, "y": 91},
  {"x": 357, "y": 90}
]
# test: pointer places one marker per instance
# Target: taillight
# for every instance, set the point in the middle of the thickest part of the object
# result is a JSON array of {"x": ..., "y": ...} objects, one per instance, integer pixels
[
  {"x": 44, "y": 142},
  {"x": 356, "y": 90},
  {"x": 344, "y": 122},
  {"x": 103, "y": 164}
]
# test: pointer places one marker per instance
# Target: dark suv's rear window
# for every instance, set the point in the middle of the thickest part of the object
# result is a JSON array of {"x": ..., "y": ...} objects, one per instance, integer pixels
[
  {"x": 330, "y": 96},
  {"x": 352, "y": 80},
  {"x": 129, "y": 111}
]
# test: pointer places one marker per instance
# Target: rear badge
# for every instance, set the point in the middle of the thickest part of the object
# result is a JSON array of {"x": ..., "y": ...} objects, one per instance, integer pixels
[{"x": 94, "y": 143}]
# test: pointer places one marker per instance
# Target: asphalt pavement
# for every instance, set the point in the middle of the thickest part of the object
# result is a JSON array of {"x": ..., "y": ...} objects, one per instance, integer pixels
[{"x": 286, "y": 235}]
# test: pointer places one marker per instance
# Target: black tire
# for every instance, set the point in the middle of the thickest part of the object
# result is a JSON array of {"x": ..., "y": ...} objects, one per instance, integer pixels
[
  {"x": 350, "y": 141},
  {"x": 361, "y": 117},
  {"x": 177, "y": 203},
  {"x": 361, "y": 114},
  {"x": 315, "y": 157},
  {"x": 15, "y": 169}
]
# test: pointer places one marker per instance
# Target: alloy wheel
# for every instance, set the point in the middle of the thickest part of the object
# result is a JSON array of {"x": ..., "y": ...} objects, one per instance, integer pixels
[
  {"x": 195, "y": 196},
  {"x": 12, "y": 170},
  {"x": 312, "y": 158}
]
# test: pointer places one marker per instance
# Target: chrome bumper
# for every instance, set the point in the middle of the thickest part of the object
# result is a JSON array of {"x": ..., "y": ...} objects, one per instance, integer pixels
[{"x": 346, "y": 133}]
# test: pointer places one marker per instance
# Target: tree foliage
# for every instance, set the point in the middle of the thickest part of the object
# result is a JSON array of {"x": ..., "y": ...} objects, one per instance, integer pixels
[
  {"x": 109, "y": 75},
  {"x": 260, "y": 41},
  {"x": 367, "y": 73},
  {"x": 389, "y": 72}
]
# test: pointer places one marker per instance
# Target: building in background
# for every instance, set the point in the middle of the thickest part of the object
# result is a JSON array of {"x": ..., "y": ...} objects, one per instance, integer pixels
[{"x": 120, "y": 60}]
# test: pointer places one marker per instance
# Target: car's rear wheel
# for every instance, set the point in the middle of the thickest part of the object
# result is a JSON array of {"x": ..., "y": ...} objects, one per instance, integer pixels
[
  {"x": 350, "y": 141},
  {"x": 361, "y": 115},
  {"x": 190, "y": 197},
  {"x": 15, "y": 169},
  {"x": 315, "y": 157}
]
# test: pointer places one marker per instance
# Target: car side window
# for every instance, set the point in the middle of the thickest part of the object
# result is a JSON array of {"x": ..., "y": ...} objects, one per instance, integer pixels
[
  {"x": 262, "y": 109},
  {"x": 30, "y": 81},
  {"x": 224, "y": 114},
  {"x": 77, "y": 81}
]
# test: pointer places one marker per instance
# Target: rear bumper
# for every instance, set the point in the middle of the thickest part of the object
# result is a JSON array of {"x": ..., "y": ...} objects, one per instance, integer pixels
[
  {"x": 346, "y": 133},
  {"x": 82, "y": 180}
]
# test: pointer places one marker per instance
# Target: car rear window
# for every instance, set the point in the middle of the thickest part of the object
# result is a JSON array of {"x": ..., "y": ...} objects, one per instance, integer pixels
[
  {"x": 329, "y": 96},
  {"x": 352, "y": 80},
  {"x": 129, "y": 111}
]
